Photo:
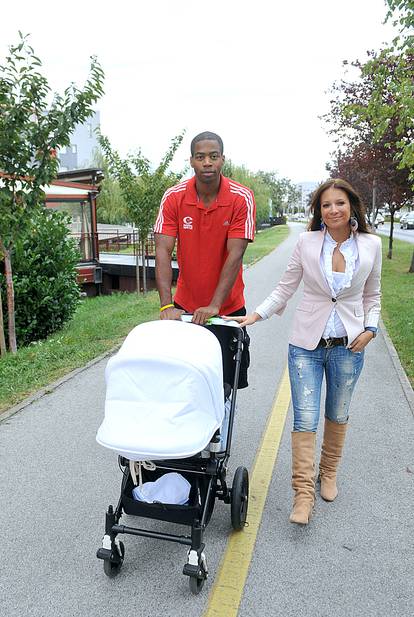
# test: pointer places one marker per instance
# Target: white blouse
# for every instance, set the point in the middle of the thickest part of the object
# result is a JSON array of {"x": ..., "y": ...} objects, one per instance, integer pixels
[{"x": 338, "y": 281}]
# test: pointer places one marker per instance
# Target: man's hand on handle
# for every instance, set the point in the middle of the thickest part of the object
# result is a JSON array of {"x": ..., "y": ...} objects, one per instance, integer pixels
[
  {"x": 171, "y": 313},
  {"x": 203, "y": 313}
]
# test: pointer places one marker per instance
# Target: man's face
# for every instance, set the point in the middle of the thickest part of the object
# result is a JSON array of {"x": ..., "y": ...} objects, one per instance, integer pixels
[{"x": 207, "y": 161}]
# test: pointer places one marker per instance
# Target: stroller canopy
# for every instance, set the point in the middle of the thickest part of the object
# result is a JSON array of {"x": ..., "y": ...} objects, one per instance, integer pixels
[{"x": 164, "y": 396}]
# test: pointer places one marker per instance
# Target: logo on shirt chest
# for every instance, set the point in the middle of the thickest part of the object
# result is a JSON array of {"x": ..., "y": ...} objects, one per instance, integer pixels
[{"x": 187, "y": 222}]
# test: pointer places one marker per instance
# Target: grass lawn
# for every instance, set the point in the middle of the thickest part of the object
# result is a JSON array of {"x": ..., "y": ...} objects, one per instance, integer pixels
[
  {"x": 98, "y": 325},
  {"x": 398, "y": 301},
  {"x": 265, "y": 241}
]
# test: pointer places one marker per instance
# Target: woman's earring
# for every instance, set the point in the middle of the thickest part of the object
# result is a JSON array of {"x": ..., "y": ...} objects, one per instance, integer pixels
[
  {"x": 353, "y": 223},
  {"x": 322, "y": 226}
]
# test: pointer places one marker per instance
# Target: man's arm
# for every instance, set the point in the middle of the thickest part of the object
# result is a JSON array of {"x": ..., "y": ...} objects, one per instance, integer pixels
[
  {"x": 235, "y": 248},
  {"x": 164, "y": 246}
]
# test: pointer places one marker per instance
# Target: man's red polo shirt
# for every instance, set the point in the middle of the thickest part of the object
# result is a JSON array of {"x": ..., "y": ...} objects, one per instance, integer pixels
[{"x": 202, "y": 235}]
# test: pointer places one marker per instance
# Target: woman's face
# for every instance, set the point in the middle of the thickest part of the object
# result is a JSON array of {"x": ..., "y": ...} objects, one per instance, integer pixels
[{"x": 335, "y": 209}]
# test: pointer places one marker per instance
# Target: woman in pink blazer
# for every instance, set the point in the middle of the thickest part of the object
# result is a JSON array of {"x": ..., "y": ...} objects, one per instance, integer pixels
[{"x": 339, "y": 262}]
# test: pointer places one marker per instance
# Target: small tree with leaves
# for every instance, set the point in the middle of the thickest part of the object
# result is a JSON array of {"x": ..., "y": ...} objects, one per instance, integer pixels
[
  {"x": 355, "y": 133},
  {"x": 142, "y": 189},
  {"x": 33, "y": 125}
]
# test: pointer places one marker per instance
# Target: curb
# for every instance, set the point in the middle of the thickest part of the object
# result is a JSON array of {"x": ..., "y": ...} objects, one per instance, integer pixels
[
  {"x": 404, "y": 381},
  {"x": 7, "y": 413}
]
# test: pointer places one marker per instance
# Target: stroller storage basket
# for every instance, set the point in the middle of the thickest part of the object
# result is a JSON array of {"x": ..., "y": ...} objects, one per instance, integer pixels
[{"x": 182, "y": 514}]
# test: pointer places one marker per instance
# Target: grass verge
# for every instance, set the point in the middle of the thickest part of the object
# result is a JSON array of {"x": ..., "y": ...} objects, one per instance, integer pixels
[
  {"x": 265, "y": 241},
  {"x": 98, "y": 325},
  {"x": 398, "y": 301}
]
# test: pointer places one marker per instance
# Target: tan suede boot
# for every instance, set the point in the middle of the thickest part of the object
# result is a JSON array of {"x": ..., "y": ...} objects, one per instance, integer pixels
[
  {"x": 303, "y": 476},
  {"x": 333, "y": 443}
]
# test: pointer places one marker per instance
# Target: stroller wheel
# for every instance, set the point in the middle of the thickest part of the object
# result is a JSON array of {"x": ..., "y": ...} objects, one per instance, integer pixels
[
  {"x": 111, "y": 569},
  {"x": 239, "y": 498},
  {"x": 197, "y": 582}
]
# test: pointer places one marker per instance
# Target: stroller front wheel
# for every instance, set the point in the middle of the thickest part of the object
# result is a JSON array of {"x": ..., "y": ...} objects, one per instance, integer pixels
[
  {"x": 239, "y": 498},
  {"x": 111, "y": 568},
  {"x": 197, "y": 582}
]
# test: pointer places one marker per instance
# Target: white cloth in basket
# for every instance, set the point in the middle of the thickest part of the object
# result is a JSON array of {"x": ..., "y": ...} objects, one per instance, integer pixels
[
  {"x": 164, "y": 396},
  {"x": 171, "y": 488}
]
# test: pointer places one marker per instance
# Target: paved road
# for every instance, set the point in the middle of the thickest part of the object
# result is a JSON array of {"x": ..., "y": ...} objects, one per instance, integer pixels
[
  {"x": 401, "y": 234},
  {"x": 355, "y": 558}
]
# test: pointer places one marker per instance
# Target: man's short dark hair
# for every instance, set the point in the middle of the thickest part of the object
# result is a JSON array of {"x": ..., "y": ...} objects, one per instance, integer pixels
[{"x": 207, "y": 135}]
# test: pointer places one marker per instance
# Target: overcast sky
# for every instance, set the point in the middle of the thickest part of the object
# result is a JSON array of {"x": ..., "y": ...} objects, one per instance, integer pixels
[{"x": 256, "y": 71}]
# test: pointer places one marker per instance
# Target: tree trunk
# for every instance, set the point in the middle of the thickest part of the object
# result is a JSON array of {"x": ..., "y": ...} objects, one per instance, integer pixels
[
  {"x": 136, "y": 250},
  {"x": 391, "y": 236},
  {"x": 3, "y": 349},
  {"x": 411, "y": 270},
  {"x": 10, "y": 300},
  {"x": 144, "y": 268}
]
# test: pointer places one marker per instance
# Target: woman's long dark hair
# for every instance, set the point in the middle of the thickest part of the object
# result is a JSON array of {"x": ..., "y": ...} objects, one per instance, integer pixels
[{"x": 357, "y": 207}]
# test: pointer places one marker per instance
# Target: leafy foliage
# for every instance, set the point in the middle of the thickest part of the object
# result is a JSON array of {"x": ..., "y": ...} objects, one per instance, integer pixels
[
  {"x": 44, "y": 276},
  {"x": 140, "y": 185},
  {"x": 265, "y": 186},
  {"x": 110, "y": 204},
  {"x": 391, "y": 100},
  {"x": 32, "y": 128},
  {"x": 33, "y": 125},
  {"x": 282, "y": 191},
  {"x": 260, "y": 189}
]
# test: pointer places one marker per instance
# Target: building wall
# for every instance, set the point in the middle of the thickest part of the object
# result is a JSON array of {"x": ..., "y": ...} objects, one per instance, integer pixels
[
  {"x": 305, "y": 188},
  {"x": 83, "y": 143}
]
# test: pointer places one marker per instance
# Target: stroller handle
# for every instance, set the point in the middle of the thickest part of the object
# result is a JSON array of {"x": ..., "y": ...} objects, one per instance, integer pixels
[{"x": 212, "y": 321}]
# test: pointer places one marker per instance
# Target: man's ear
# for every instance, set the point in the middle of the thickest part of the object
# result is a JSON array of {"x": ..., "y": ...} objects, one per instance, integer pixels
[
  {"x": 223, "y": 157},
  {"x": 191, "y": 162}
]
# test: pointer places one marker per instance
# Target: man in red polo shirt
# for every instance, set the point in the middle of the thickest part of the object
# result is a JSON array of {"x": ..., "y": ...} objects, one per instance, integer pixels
[{"x": 213, "y": 219}]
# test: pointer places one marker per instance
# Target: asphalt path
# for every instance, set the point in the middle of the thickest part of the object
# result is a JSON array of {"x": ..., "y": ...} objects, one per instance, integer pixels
[
  {"x": 407, "y": 235},
  {"x": 355, "y": 558}
]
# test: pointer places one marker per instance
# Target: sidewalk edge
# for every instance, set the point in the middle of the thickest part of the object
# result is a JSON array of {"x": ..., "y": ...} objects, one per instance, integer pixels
[
  {"x": 402, "y": 376},
  {"x": 11, "y": 411}
]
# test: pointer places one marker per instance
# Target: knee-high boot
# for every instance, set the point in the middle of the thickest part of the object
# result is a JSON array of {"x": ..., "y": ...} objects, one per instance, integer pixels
[
  {"x": 332, "y": 445},
  {"x": 303, "y": 476}
]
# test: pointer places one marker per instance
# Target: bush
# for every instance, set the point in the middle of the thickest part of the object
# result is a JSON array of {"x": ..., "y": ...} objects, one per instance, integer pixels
[{"x": 44, "y": 277}]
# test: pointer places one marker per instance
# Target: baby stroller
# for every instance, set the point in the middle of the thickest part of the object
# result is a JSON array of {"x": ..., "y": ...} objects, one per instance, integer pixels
[{"x": 169, "y": 417}]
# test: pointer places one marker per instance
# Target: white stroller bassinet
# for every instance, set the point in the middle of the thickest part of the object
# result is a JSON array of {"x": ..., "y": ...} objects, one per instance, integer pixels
[{"x": 164, "y": 396}]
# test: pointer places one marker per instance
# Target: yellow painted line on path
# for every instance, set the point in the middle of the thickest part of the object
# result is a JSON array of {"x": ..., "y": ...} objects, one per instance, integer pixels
[{"x": 228, "y": 588}]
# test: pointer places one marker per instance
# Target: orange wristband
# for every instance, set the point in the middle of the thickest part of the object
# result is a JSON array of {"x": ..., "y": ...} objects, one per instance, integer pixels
[{"x": 166, "y": 306}]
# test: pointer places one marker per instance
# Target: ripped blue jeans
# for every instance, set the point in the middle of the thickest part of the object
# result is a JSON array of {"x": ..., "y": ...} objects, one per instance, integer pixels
[{"x": 341, "y": 367}]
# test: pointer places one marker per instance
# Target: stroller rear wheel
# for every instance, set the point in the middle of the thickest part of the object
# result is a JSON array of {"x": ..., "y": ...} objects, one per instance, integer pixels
[
  {"x": 111, "y": 568},
  {"x": 239, "y": 498}
]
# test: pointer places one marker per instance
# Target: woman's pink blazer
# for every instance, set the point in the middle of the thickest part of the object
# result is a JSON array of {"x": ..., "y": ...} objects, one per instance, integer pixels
[{"x": 358, "y": 306}]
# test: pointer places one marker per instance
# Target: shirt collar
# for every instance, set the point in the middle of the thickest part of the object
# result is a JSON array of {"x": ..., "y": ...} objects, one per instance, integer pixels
[
  {"x": 223, "y": 196},
  {"x": 346, "y": 244}
]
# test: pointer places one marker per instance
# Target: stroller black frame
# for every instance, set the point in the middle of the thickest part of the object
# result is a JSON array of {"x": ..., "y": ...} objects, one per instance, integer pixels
[{"x": 208, "y": 481}]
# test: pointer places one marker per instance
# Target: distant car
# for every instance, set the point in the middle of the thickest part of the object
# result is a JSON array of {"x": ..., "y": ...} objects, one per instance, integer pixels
[
  {"x": 409, "y": 221},
  {"x": 402, "y": 219},
  {"x": 379, "y": 219}
]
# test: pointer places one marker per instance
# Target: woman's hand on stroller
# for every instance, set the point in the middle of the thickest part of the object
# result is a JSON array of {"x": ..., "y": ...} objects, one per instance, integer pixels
[{"x": 245, "y": 320}]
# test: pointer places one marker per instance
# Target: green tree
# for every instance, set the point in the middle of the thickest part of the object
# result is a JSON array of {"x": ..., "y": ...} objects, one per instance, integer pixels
[
  {"x": 32, "y": 127},
  {"x": 255, "y": 183},
  {"x": 110, "y": 205},
  {"x": 282, "y": 191},
  {"x": 354, "y": 130},
  {"x": 44, "y": 276},
  {"x": 142, "y": 188}
]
